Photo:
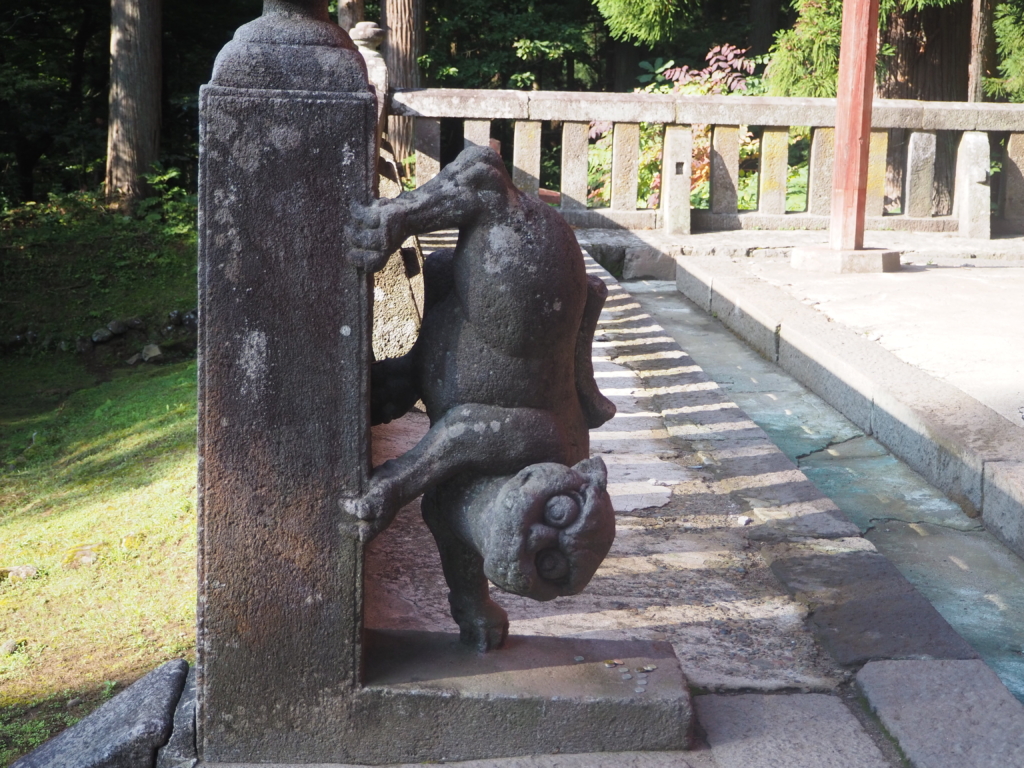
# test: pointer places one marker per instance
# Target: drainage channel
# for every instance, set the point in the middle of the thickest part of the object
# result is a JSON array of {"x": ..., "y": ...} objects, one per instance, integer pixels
[{"x": 975, "y": 582}]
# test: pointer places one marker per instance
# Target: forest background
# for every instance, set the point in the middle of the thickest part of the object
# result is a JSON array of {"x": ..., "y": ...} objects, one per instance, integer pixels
[
  {"x": 98, "y": 157},
  {"x": 56, "y": 65}
]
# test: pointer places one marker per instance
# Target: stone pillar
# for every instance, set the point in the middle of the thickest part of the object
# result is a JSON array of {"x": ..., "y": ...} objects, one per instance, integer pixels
[
  {"x": 774, "y": 173},
  {"x": 676, "y": 175},
  {"x": 367, "y": 35},
  {"x": 625, "y": 165},
  {"x": 725, "y": 168},
  {"x": 526, "y": 156},
  {"x": 917, "y": 197},
  {"x": 1013, "y": 182},
  {"x": 819, "y": 178},
  {"x": 972, "y": 196},
  {"x": 286, "y": 145},
  {"x": 476, "y": 133},
  {"x": 874, "y": 193},
  {"x": 575, "y": 150}
]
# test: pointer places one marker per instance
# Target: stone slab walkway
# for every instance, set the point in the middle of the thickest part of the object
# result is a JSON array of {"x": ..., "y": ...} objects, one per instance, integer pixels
[
  {"x": 928, "y": 360},
  {"x": 770, "y": 597}
]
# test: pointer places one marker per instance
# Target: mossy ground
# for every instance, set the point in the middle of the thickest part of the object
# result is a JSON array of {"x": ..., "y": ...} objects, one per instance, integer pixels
[{"x": 94, "y": 456}]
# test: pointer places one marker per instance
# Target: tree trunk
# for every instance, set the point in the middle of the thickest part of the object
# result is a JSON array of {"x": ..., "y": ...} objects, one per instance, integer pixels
[
  {"x": 982, "y": 49},
  {"x": 133, "y": 133},
  {"x": 403, "y": 40},
  {"x": 932, "y": 54},
  {"x": 764, "y": 23}
]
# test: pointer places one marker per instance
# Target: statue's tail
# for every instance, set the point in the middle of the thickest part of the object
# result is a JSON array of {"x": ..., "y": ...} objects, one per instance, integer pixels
[{"x": 597, "y": 408}]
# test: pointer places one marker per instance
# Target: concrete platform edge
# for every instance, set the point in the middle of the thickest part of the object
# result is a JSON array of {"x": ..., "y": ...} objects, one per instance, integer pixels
[{"x": 877, "y": 391}]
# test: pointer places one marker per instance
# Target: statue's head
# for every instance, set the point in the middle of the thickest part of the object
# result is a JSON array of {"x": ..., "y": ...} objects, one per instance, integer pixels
[{"x": 549, "y": 529}]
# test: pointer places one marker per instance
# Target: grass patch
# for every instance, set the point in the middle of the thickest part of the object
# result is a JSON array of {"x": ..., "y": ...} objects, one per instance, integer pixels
[
  {"x": 102, "y": 503},
  {"x": 69, "y": 266},
  {"x": 97, "y": 465}
]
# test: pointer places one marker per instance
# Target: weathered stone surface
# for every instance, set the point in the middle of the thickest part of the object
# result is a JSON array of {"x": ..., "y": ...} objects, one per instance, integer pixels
[
  {"x": 18, "y": 573},
  {"x": 479, "y": 104},
  {"x": 612, "y": 107},
  {"x": 476, "y": 133},
  {"x": 785, "y": 731},
  {"x": 625, "y": 165},
  {"x": 822, "y": 162},
  {"x": 575, "y": 148},
  {"x": 535, "y": 679},
  {"x": 845, "y": 262},
  {"x": 428, "y": 149},
  {"x": 920, "y": 174},
  {"x": 511, "y": 494},
  {"x": 526, "y": 157},
  {"x": 1003, "y": 494},
  {"x": 283, "y": 428},
  {"x": 151, "y": 352},
  {"x": 972, "y": 196},
  {"x": 123, "y": 733},
  {"x": 647, "y": 262},
  {"x": 774, "y": 171},
  {"x": 874, "y": 204},
  {"x": 180, "y": 749},
  {"x": 676, "y": 179},
  {"x": 725, "y": 168},
  {"x": 1013, "y": 182},
  {"x": 946, "y": 714},
  {"x": 863, "y": 608}
]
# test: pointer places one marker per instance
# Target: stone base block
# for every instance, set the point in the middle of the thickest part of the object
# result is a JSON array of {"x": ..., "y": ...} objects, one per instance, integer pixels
[
  {"x": 426, "y": 697},
  {"x": 842, "y": 262}
]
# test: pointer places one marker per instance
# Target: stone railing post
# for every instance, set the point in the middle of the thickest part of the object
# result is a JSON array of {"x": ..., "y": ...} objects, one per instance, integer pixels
[
  {"x": 368, "y": 36},
  {"x": 1013, "y": 182},
  {"x": 725, "y": 168},
  {"x": 972, "y": 195},
  {"x": 676, "y": 176},
  {"x": 286, "y": 147},
  {"x": 920, "y": 174}
]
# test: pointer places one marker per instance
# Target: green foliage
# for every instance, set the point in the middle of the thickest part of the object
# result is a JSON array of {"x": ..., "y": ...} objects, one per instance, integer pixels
[
  {"x": 805, "y": 59},
  {"x": 644, "y": 21},
  {"x": 171, "y": 208},
  {"x": 54, "y": 70},
  {"x": 1008, "y": 25},
  {"x": 547, "y": 44},
  {"x": 70, "y": 264}
]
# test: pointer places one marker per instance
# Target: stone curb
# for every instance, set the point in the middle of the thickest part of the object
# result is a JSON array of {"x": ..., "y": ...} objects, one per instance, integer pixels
[
  {"x": 946, "y": 714},
  {"x": 961, "y": 446}
]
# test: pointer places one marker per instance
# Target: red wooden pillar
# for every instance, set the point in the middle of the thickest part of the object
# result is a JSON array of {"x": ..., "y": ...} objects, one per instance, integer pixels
[{"x": 853, "y": 123}]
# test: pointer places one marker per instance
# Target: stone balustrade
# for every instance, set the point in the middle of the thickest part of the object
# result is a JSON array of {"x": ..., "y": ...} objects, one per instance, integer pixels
[{"x": 974, "y": 214}]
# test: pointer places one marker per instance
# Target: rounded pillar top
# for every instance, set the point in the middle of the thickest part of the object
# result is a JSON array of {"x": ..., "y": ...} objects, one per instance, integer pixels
[{"x": 310, "y": 9}]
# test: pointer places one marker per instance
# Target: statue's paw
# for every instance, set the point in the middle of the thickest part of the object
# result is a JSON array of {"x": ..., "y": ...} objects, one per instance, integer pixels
[
  {"x": 367, "y": 236},
  {"x": 484, "y": 627},
  {"x": 368, "y": 515}
]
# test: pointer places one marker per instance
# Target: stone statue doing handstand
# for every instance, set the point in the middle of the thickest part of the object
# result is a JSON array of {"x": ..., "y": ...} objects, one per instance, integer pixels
[{"x": 503, "y": 365}]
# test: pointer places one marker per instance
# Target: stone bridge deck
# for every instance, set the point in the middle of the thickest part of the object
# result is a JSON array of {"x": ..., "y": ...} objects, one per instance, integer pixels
[{"x": 790, "y": 625}]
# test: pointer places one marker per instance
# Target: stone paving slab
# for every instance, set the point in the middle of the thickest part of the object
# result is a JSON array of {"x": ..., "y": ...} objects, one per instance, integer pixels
[
  {"x": 862, "y": 607},
  {"x": 785, "y": 731},
  {"x": 946, "y": 714},
  {"x": 123, "y": 733},
  {"x": 939, "y": 430}
]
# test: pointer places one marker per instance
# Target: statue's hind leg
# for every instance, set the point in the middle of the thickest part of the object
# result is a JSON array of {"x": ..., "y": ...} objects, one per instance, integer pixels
[{"x": 483, "y": 623}]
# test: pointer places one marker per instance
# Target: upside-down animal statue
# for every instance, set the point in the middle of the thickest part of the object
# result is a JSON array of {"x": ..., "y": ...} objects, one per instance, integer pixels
[{"x": 503, "y": 365}]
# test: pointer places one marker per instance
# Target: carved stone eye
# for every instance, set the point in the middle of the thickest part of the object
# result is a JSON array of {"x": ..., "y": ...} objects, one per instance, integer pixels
[
  {"x": 552, "y": 564},
  {"x": 561, "y": 511}
]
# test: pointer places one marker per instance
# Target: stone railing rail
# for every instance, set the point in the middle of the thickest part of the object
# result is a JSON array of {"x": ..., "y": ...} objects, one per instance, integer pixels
[{"x": 574, "y": 110}]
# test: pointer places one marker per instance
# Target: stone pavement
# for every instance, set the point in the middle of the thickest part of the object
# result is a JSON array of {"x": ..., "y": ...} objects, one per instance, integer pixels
[
  {"x": 929, "y": 360},
  {"x": 778, "y": 609}
]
